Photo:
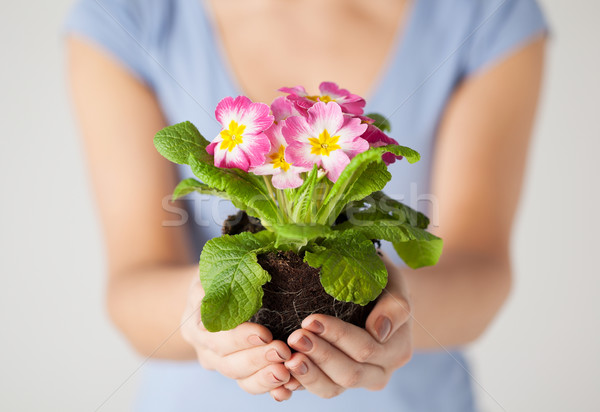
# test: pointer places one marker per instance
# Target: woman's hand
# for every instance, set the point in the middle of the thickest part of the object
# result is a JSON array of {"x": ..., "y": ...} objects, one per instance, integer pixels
[
  {"x": 246, "y": 353},
  {"x": 334, "y": 355}
]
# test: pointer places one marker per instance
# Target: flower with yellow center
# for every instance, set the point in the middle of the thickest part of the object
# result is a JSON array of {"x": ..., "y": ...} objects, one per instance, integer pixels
[
  {"x": 278, "y": 159},
  {"x": 232, "y": 136},
  {"x": 325, "y": 99},
  {"x": 323, "y": 145}
]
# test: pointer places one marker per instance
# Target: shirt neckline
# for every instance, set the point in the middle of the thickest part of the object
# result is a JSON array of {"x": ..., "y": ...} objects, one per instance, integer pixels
[{"x": 395, "y": 54}]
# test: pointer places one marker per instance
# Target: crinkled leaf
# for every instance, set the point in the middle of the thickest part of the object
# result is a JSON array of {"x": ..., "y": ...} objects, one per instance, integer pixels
[
  {"x": 304, "y": 206},
  {"x": 351, "y": 269},
  {"x": 243, "y": 189},
  {"x": 424, "y": 249},
  {"x": 381, "y": 122},
  {"x": 301, "y": 232},
  {"x": 232, "y": 279},
  {"x": 178, "y": 141},
  {"x": 365, "y": 174},
  {"x": 187, "y": 186},
  {"x": 415, "y": 246},
  {"x": 379, "y": 206}
]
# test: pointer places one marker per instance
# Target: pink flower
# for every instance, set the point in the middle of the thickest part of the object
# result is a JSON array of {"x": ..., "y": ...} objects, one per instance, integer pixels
[
  {"x": 282, "y": 108},
  {"x": 242, "y": 142},
  {"x": 330, "y": 92},
  {"x": 285, "y": 174},
  {"x": 325, "y": 137},
  {"x": 377, "y": 138}
]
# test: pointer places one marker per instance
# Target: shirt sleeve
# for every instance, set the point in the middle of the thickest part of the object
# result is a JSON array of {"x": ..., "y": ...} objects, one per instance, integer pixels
[
  {"x": 116, "y": 26},
  {"x": 502, "y": 27}
]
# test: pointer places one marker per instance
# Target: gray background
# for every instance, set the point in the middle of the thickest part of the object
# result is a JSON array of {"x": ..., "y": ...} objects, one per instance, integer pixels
[{"x": 58, "y": 350}]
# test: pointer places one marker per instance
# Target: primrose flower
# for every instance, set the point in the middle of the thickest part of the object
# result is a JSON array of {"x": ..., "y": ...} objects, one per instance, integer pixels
[
  {"x": 242, "y": 142},
  {"x": 282, "y": 108},
  {"x": 325, "y": 137},
  {"x": 285, "y": 174},
  {"x": 330, "y": 92},
  {"x": 378, "y": 138}
]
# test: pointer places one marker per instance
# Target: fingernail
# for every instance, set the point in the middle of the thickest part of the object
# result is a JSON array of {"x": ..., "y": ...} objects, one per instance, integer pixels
[
  {"x": 255, "y": 340},
  {"x": 277, "y": 399},
  {"x": 303, "y": 344},
  {"x": 383, "y": 326},
  {"x": 300, "y": 369},
  {"x": 274, "y": 356},
  {"x": 315, "y": 327},
  {"x": 276, "y": 379}
]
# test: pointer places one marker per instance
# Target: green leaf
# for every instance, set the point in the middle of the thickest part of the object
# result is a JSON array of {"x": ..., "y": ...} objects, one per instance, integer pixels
[
  {"x": 187, "y": 186},
  {"x": 301, "y": 232},
  {"x": 379, "y": 206},
  {"x": 245, "y": 190},
  {"x": 303, "y": 200},
  {"x": 351, "y": 269},
  {"x": 232, "y": 279},
  {"x": 424, "y": 249},
  {"x": 381, "y": 122},
  {"x": 414, "y": 245},
  {"x": 177, "y": 142},
  {"x": 366, "y": 173}
]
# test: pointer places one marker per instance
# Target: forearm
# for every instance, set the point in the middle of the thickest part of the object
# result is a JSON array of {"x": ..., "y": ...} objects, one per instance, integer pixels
[
  {"x": 454, "y": 301},
  {"x": 147, "y": 306}
]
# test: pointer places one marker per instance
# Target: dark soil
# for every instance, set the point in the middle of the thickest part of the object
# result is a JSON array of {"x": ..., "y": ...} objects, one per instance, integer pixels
[
  {"x": 295, "y": 290},
  {"x": 241, "y": 222}
]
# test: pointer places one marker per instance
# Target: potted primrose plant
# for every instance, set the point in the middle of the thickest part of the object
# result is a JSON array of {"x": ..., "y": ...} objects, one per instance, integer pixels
[{"x": 306, "y": 173}]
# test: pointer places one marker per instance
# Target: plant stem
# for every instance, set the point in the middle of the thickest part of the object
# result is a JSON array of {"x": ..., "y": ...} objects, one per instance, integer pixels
[
  {"x": 283, "y": 204},
  {"x": 273, "y": 196}
]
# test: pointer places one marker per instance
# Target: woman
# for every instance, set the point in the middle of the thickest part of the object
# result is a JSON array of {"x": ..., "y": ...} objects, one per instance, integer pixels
[{"x": 459, "y": 82}]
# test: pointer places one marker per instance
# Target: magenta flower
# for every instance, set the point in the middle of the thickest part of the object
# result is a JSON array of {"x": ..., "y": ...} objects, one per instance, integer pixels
[
  {"x": 325, "y": 137},
  {"x": 242, "y": 142},
  {"x": 283, "y": 108},
  {"x": 285, "y": 174},
  {"x": 330, "y": 92},
  {"x": 376, "y": 138}
]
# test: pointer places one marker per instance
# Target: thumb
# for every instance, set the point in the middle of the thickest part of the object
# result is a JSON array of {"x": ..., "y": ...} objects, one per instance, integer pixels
[{"x": 392, "y": 309}]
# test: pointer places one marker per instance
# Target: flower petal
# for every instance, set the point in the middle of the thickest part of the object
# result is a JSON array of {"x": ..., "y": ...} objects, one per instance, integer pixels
[
  {"x": 230, "y": 109},
  {"x": 287, "y": 180},
  {"x": 236, "y": 158},
  {"x": 333, "y": 90},
  {"x": 211, "y": 146},
  {"x": 283, "y": 108},
  {"x": 254, "y": 117},
  {"x": 348, "y": 137},
  {"x": 275, "y": 135},
  {"x": 255, "y": 147},
  {"x": 334, "y": 164},
  {"x": 325, "y": 116},
  {"x": 297, "y": 90}
]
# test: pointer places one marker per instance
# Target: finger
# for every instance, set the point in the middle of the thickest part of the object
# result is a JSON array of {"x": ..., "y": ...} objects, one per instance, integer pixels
[
  {"x": 244, "y": 363},
  {"x": 392, "y": 309},
  {"x": 355, "y": 342},
  {"x": 293, "y": 385},
  {"x": 244, "y": 336},
  {"x": 265, "y": 379},
  {"x": 281, "y": 394},
  {"x": 311, "y": 377},
  {"x": 399, "y": 348},
  {"x": 340, "y": 368}
]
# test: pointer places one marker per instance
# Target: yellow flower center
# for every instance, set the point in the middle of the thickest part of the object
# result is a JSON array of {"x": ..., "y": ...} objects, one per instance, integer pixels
[
  {"x": 324, "y": 99},
  {"x": 278, "y": 159},
  {"x": 232, "y": 136},
  {"x": 324, "y": 145}
]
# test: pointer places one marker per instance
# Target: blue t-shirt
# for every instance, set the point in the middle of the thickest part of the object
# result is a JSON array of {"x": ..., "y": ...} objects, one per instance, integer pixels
[{"x": 173, "y": 47}]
